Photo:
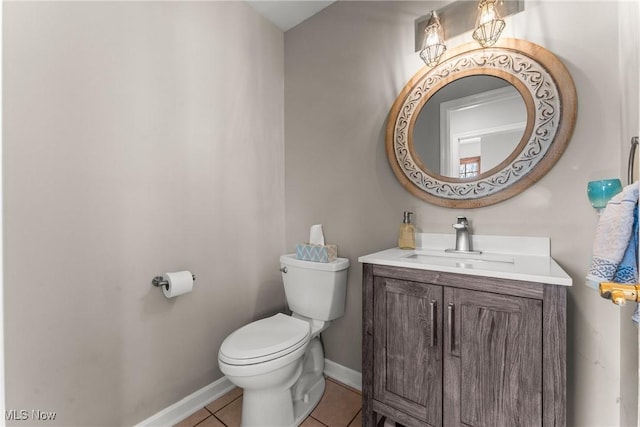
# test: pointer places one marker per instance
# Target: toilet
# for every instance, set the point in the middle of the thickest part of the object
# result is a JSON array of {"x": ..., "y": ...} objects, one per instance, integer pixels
[{"x": 279, "y": 360}]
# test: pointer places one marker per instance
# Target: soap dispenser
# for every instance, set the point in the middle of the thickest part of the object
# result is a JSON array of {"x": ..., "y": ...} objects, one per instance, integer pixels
[{"x": 407, "y": 238}]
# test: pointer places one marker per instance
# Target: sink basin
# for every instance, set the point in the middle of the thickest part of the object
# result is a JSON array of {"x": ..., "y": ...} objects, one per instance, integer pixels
[{"x": 434, "y": 256}]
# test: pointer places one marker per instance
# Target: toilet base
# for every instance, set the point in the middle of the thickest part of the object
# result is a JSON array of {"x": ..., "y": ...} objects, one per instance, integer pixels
[
  {"x": 286, "y": 396},
  {"x": 302, "y": 408},
  {"x": 267, "y": 409},
  {"x": 309, "y": 388}
]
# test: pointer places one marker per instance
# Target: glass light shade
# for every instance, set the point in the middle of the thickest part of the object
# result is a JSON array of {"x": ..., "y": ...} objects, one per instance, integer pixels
[
  {"x": 433, "y": 46},
  {"x": 489, "y": 26},
  {"x": 600, "y": 192}
]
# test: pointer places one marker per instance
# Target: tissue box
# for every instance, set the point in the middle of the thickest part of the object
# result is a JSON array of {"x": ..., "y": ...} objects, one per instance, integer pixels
[{"x": 317, "y": 253}]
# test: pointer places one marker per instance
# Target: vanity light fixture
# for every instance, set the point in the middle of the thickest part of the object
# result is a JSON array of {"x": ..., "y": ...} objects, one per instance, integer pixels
[
  {"x": 489, "y": 25},
  {"x": 433, "y": 46}
]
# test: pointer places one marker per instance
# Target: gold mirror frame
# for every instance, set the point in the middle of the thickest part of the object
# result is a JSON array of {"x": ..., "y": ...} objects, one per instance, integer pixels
[{"x": 551, "y": 102}]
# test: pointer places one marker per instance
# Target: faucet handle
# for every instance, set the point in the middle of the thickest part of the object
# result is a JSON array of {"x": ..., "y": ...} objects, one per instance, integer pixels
[{"x": 461, "y": 224}]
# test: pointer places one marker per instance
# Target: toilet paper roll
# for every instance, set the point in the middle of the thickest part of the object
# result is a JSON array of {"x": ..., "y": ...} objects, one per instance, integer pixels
[
  {"x": 180, "y": 283},
  {"x": 316, "y": 237}
]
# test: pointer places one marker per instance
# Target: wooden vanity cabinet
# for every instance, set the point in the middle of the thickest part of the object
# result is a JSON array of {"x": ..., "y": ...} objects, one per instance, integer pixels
[{"x": 444, "y": 349}]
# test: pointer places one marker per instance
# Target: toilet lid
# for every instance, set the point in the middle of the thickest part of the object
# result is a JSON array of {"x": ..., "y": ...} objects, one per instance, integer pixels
[{"x": 264, "y": 340}]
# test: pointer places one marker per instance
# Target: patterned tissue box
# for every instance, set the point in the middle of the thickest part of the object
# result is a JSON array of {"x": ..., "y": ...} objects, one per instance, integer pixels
[{"x": 317, "y": 253}]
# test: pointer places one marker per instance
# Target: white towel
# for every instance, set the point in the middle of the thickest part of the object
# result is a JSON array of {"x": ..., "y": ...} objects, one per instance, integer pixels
[{"x": 613, "y": 235}]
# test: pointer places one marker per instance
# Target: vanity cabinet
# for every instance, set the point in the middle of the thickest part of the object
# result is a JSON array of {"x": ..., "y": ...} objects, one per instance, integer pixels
[{"x": 448, "y": 349}]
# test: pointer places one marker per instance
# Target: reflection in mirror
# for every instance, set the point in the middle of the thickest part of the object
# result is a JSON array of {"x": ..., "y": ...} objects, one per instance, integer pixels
[{"x": 469, "y": 126}]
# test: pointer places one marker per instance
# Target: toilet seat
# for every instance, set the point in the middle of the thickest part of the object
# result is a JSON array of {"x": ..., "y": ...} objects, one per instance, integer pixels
[{"x": 264, "y": 340}]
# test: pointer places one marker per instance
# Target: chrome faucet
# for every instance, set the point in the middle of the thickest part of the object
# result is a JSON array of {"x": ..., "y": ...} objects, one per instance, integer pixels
[{"x": 463, "y": 237}]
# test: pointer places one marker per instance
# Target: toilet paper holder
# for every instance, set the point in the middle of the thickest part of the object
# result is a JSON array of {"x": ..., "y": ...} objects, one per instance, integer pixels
[{"x": 159, "y": 281}]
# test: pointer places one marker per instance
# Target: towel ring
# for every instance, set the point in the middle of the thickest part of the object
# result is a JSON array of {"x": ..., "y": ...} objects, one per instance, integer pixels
[{"x": 632, "y": 159}]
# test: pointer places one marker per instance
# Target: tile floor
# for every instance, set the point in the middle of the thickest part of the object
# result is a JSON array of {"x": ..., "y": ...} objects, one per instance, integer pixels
[{"x": 341, "y": 406}]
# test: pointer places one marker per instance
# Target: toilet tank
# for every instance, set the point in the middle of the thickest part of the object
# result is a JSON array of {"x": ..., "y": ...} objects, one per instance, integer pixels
[{"x": 315, "y": 289}]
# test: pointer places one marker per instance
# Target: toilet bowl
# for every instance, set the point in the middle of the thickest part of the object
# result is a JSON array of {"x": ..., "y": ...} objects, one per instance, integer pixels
[
  {"x": 265, "y": 359},
  {"x": 279, "y": 360}
]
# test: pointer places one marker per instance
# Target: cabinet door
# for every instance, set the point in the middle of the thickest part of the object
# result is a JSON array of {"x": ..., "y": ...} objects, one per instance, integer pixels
[
  {"x": 492, "y": 360},
  {"x": 408, "y": 348}
]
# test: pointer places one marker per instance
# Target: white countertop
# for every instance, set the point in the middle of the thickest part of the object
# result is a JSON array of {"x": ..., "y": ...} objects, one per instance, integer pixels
[{"x": 505, "y": 257}]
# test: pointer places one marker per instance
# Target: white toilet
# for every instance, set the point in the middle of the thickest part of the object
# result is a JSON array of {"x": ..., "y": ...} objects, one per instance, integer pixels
[{"x": 279, "y": 361}]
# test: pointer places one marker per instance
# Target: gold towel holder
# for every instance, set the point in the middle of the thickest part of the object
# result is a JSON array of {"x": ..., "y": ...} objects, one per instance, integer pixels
[{"x": 619, "y": 293}]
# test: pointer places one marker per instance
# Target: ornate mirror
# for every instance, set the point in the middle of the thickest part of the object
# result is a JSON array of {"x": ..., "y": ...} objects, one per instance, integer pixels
[{"x": 483, "y": 125}]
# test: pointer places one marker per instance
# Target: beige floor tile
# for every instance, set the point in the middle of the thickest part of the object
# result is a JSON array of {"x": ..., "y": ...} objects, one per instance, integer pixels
[
  {"x": 311, "y": 422},
  {"x": 338, "y": 406},
  {"x": 194, "y": 418},
  {"x": 211, "y": 422},
  {"x": 344, "y": 385},
  {"x": 223, "y": 401},
  {"x": 230, "y": 414},
  {"x": 357, "y": 421}
]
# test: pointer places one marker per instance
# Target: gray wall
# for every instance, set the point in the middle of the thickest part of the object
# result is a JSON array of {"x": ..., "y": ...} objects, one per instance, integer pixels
[
  {"x": 139, "y": 138},
  {"x": 343, "y": 69}
]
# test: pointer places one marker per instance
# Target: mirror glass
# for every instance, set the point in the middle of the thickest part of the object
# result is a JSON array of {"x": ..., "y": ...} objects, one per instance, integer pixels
[{"x": 469, "y": 126}]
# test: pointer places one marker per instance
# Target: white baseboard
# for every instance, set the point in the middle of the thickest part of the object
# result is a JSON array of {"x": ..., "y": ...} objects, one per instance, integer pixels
[
  {"x": 189, "y": 405},
  {"x": 207, "y": 394},
  {"x": 343, "y": 374}
]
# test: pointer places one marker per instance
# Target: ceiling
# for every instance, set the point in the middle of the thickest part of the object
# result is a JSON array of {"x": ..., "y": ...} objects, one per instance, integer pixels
[{"x": 286, "y": 14}]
